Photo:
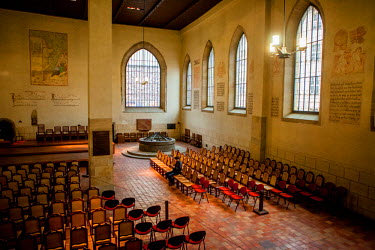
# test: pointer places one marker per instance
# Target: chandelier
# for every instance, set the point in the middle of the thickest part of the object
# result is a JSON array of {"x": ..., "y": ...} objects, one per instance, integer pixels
[{"x": 281, "y": 51}]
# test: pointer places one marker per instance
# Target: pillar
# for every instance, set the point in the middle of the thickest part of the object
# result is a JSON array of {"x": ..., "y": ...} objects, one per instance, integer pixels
[{"x": 100, "y": 94}]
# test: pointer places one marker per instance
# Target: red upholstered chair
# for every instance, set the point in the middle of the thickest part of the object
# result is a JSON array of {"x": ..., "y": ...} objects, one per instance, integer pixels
[
  {"x": 256, "y": 194},
  {"x": 163, "y": 226},
  {"x": 155, "y": 245},
  {"x": 239, "y": 197},
  {"x": 153, "y": 212},
  {"x": 289, "y": 195},
  {"x": 181, "y": 223},
  {"x": 311, "y": 188},
  {"x": 196, "y": 238},
  {"x": 203, "y": 191},
  {"x": 144, "y": 228},
  {"x": 135, "y": 214},
  {"x": 176, "y": 242}
]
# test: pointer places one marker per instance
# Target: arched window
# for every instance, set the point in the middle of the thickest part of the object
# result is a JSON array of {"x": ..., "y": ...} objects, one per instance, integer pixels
[
  {"x": 188, "y": 85},
  {"x": 308, "y": 63},
  {"x": 238, "y": 67},
  {"x": 241, "y": 74},
  {"x": 142, "y": 80},
  {"x": 210, "y": 79}
]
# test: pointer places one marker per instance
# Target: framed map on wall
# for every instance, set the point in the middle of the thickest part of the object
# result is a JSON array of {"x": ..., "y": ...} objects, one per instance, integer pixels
[{"x": 48, "y": 58}]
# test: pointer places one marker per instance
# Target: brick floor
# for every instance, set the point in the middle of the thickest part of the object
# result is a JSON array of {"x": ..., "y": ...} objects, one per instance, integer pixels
[{"x": 297, "y": 228}]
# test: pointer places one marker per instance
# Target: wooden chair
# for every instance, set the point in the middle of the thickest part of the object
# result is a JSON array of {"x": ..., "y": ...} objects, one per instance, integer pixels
[
  {"x": 78, "y": 238},
  {"x": 66, "y": 132},
  {"x": 102, "y": 234},
  {"x": 54, "y": 240},
  {"x": 49, "y": 134},
  {"x": 73, "y": 132},
  {"x": 41, "y": 132},
  {"x": 78, "y": 219},
  {"x": 57, "y": 132},
  {"x": 125, "y": 232},
  {"x": 81, "y": 132}
]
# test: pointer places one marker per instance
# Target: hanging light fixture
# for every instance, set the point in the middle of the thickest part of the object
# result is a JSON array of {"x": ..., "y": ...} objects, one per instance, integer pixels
[{"x": 282, "y": 52}]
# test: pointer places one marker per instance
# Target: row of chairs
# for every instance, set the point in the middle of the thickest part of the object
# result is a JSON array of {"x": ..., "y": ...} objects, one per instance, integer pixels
[
  {"x": 128, "y": 137},
  {"x": 61, "y": 132},
  {"x": 194, "y": 139}
]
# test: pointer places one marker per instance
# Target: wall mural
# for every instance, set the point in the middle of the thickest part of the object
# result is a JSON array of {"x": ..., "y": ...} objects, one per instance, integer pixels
[
  {"x": 276, "y": 65},
  {"x": 48, "y": 58},
  {"x": 349, "y": 55}
]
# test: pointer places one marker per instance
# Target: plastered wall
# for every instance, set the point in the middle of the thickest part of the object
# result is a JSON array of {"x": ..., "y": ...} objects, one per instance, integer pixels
[
  {"x": 340, "y": 149},
  {"x": 15, "y": 74}
]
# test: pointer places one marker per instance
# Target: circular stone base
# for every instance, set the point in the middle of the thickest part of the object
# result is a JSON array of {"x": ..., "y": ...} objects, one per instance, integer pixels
[
  {"x": 134, "y": 152},
  {"x": 153, "y": 146}
]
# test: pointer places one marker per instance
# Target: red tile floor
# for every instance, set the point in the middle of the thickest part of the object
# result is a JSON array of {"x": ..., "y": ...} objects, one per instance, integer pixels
[{"x": 226, "y": 229}]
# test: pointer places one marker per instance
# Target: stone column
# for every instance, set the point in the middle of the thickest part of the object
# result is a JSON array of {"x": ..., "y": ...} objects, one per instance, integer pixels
[
  {"x": 259, "y": 89},
  {"x": 100, "y": 94}
]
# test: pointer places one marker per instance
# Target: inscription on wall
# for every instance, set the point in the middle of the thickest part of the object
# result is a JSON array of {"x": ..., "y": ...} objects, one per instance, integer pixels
[
  {"x": 27, "y": 98},
  {"x": 196, "y": 99},
  {"x": 196, "y": 82},
  {"x": 345, "y": 102},
  {"x": 275, "y": 106},
  {"x": 100, "y": 141},
  {"x": 250, "y": 101},
  {"x": 220, "y": 106},
  {"x": 65, "y": 100},
  {"x": 221, "y": 70},
  {"x": 220, "y": 88}
]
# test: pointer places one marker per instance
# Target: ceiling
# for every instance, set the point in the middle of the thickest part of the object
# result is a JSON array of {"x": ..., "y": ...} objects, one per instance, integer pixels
[{"x": 164, "y": 14}]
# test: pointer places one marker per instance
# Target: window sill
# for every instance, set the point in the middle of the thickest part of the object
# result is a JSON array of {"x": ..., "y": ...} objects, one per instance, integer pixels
[
  {"x": 186, "y": 108},
  {"x": 208, "y": 109},
  {"x": 144, "y": 110},
  {"x": 302, "y": 118},
  {"x": 238, "y": 112}
]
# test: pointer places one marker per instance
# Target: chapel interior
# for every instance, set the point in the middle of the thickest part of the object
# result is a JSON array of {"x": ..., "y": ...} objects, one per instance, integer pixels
[{"x": 284, "y": 85}]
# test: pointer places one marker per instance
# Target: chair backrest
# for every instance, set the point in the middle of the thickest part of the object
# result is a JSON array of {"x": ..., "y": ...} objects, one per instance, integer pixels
[
  {"x": 58, "y": 207},
  {"x": 126, "y": 228},
  {"x": 32, "y": 225},
  {"x": 60, "y": 196},
  {"x": 153, "y": 210},
  {"x": 260, "y": 187},
  {"x": 41, "y": 128},
  {"x": 15, "y": 214},
  {"x": 23, "y": 201},
  {"x": 78, "y": 219},
  {"x": 103, "y": 232},
  {"x": 98, "y": 216},
  {"x": 119, "y": 213},
  {"x": 128, "y": 202},
  {"x": 76, "y": 194},
  {"x": 26, "y": 241},
  {"x": 78, "y": 236},
  {"x": 77, "y": 204},
  {"x": 55, "y": 222},
  {"x": 57, "y": 129},
  {"x": 42, "y": 198},
  {"x": 4, "y": 203},
  {"x": 319, "y": 180},
  {"x": 93, "y": 191},
  {"x": 95, "y": 202},
  {"x": 309, "y": 177},
  {"x": 198, "y": 236},
  {"x": 54, "y": 240},
  {"x": 8, "y": 230},
  {"x": 37, "y": 210}
]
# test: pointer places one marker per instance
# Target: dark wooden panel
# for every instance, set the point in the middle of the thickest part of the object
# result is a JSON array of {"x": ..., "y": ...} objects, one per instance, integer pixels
[{"x": 100, "y": 141}]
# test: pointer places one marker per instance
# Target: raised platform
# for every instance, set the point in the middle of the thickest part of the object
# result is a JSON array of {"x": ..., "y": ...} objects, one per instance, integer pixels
[
  {"x": 28, "y": 152},
  {"x": 134, "y": 152}
]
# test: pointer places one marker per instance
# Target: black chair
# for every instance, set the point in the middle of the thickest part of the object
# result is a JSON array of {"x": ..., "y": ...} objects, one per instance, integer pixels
[{"x": 196, "y": 238}]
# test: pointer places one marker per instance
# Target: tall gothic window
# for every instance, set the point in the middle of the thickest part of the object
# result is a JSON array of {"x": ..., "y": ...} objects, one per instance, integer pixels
[
  {"x": 142, "y": 86},
  {"x": 308, "y": 64},
  {"x": 188, "y": 85},
  {"x": 210, "y": 79},
  {"x": 240, "y": 76}
]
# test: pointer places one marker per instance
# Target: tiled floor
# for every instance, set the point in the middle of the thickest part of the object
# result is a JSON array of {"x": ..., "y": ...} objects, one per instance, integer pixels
[{"x": 280, "y": 229}]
